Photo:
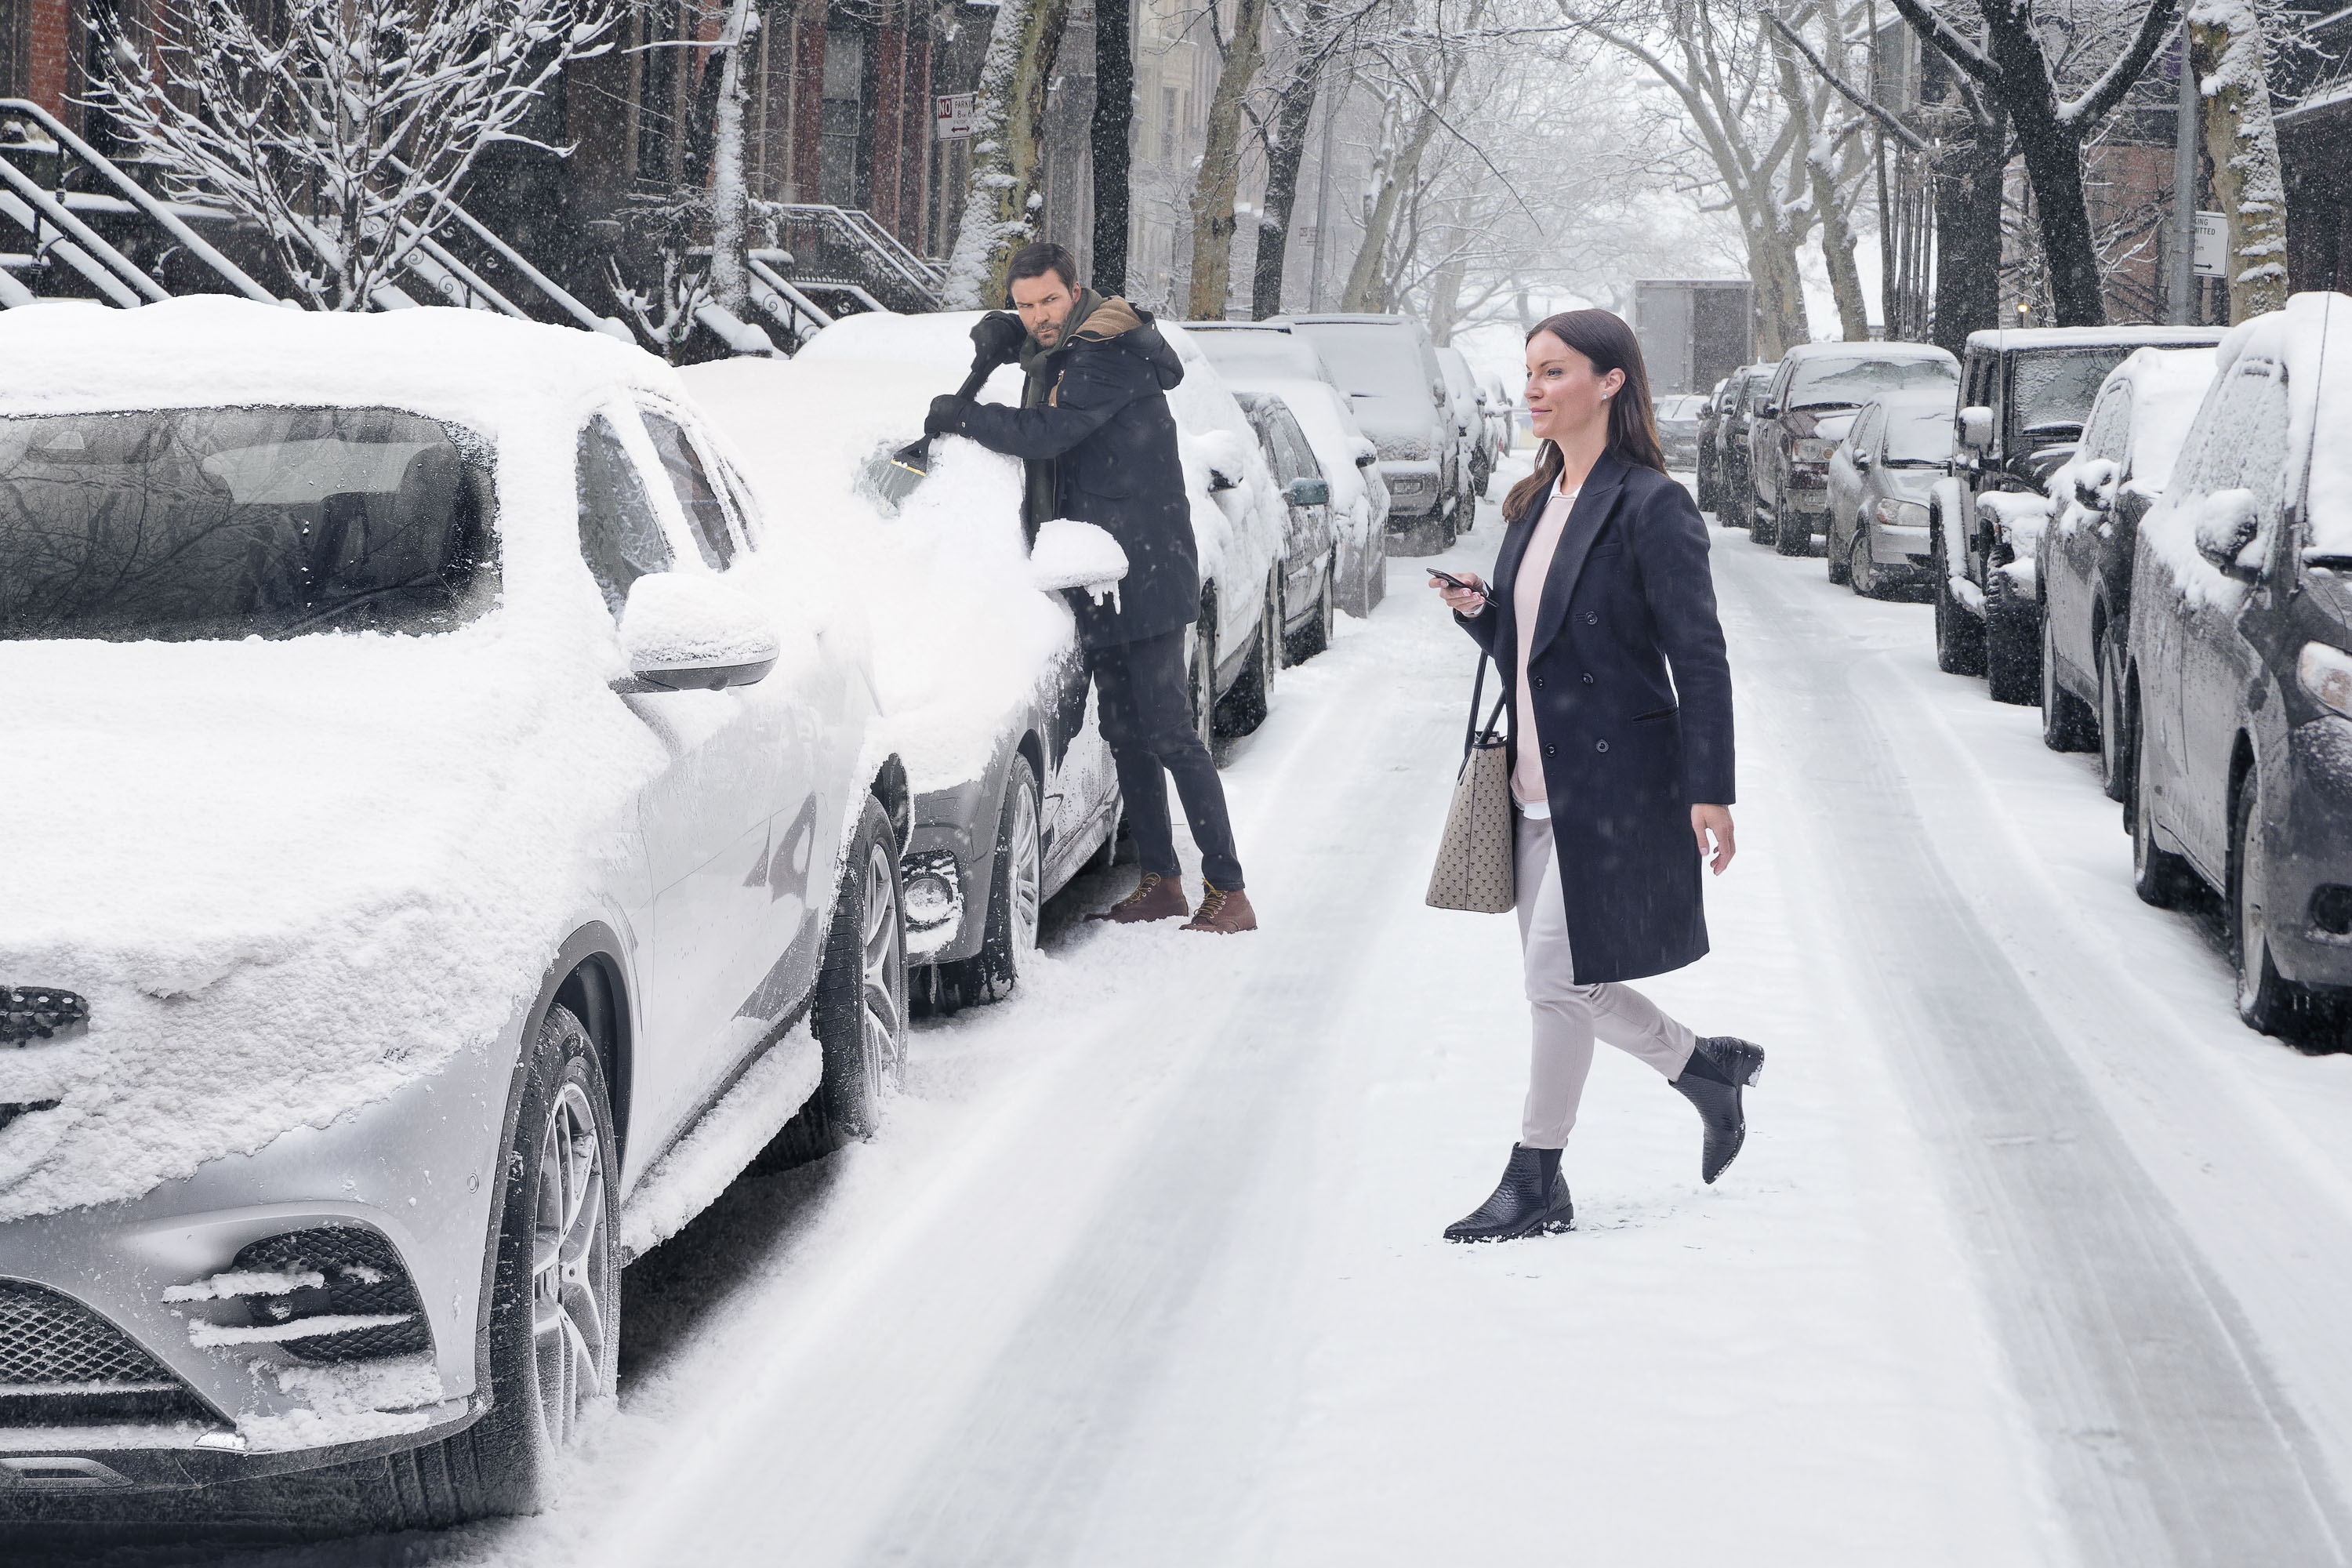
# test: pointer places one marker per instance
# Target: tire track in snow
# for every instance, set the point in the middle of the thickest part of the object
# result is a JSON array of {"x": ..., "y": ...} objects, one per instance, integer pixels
[{"x": 2168, "y": 1436}]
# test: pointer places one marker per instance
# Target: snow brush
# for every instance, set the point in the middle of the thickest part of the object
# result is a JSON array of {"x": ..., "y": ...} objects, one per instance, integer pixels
[{"x": 891, "y": 477}]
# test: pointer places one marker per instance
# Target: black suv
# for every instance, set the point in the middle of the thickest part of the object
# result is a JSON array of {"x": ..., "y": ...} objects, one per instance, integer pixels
[
  {"x": 2024, "y": 394},
  {"x": 1735, "y": 498},
  {"x": 1807, "y": 410}
]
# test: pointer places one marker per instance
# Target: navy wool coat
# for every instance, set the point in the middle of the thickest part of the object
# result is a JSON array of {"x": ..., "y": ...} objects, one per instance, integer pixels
[
  {"x": 1633, "y": 711},
  {"x": 1109, "y": 436}
]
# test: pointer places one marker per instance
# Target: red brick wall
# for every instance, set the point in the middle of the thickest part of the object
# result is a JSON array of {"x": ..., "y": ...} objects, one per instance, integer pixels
[{"x": 50, "y": 72}]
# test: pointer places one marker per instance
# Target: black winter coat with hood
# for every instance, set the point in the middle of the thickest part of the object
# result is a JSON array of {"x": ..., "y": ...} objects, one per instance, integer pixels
[{"x": 1097, "y": 418}]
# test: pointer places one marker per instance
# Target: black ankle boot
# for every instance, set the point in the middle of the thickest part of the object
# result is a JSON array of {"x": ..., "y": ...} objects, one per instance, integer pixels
[
  {"x": 1718, "y": 1070},
  {"x": 1532, "y": 1196}
]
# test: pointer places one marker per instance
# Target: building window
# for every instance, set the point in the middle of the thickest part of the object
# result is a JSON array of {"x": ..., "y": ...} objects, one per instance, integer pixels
[
  {"x": 15, "y": 48},
  {"x": 841, "y": 123}
]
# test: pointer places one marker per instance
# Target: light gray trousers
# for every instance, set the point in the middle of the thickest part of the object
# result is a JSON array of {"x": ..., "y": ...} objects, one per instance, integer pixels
[{"x": 1568, "y": 1016}]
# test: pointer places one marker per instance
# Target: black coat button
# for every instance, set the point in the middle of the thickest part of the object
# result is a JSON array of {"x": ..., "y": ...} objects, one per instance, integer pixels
[
  {"x": 1539, "y": 680},
  {"x": 1551, "y": 751},
  {"x": 1591, "y": 619},
  {"x": 1587, "y": 677},
  {"x": 1599, "y": 745}
]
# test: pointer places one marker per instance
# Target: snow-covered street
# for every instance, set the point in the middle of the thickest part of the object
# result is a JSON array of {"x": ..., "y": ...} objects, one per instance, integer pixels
[{"x": 2035, "y": 1255}]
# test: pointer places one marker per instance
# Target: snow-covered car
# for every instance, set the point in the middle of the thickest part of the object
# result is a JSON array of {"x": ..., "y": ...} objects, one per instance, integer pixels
[
  {"x": 1806, "y": 411},
  {"x": 1879, "y": 477},
  {"x": 1677, "y": 416},
  {"x": 1239, "y": 518},
  {"x": 1501, "y": 410},
  {"x": 1309, "y": 589},
  {"x": 984, "y": 691},
  {"x": 1734, "y": 483},
  {"x": 2237, "y": 705},
  {"x": 448, "y": 817},
  {"x": 1472, "y": 463},
  {"x": 2024, "y": 394},
  {"x": 1388, "y": 369},
  {"x": 2084, "y": 560},
  {"x": 1269, "y": 357}
]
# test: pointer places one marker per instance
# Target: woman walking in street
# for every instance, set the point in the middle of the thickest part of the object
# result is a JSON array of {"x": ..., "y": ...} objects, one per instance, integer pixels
[{"x": 1621, "y": 777}]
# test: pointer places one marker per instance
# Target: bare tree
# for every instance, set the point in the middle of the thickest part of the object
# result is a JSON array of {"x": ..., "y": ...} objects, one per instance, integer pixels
[
  {"x": 2232, "y": 72},
  {"x": 1003, "y": 201},
  {"x": 1217, "y": 183},
  {"x": 345, "y": 132}
]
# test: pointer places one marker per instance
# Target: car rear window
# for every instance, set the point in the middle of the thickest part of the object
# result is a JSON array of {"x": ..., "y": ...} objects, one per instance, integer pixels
[
  {"x": 1371, "y": 359},
  {"x": 186, "y": 525},
  {"x": 1853, "y": 380},
  {"x": 2052, "y": 391}
]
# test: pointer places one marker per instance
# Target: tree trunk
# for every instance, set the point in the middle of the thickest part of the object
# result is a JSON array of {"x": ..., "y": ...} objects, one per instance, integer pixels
[
  {"x": 1837, "y": 249},
  {"x": 1112, "y": 137},
  {"x": 1294, "y": 114},
  {"x": 1967, "y": 181},
  {"x": 2227, "y": 47},
  {"x": 1367, "y": 280},
  {"x": 731, "y": 284},
  {"x": 1780, "y": 318},
  {"x": 2053, "y": 167},
  {"x": 1219, "y": 180},
  {"x": 1000, "y": 206}
]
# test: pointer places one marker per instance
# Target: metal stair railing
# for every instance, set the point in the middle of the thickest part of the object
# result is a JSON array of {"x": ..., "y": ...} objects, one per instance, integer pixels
[
  {"x": 889, "y": 265},
  {"x": 800, "y": 316},
  {"x": 156, "y": 211},
  {"x": 555, "y": 294}
]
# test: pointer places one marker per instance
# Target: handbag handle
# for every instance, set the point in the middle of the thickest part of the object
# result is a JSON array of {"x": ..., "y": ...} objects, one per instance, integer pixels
[{"x": 1477, "y": 691}]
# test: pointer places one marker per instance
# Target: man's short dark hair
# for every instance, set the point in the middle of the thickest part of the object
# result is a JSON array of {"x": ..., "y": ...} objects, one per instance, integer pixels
[{"x": 1037, "y": 261}]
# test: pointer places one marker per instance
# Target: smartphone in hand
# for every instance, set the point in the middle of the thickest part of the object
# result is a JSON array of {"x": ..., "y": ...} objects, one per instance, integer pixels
[{"x": 1451, "y": 581}]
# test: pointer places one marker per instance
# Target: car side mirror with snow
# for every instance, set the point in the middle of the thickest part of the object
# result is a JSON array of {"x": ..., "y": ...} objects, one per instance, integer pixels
[
  {"x": 1861, "y": 460},
  {"x": 1976, "y": 428},
  {"x": 1310, "y": 492},
  {"x": 2094, "y": 485},
  {"x": 687, "y": 631},
  {"x": 2229, "y": 523},
  {"x": 1219, "y": 480}
]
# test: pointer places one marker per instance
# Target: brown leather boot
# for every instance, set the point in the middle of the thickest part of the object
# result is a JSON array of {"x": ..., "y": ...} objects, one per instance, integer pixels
[
  {"x": 1156, "y": 898},
  {"x": 1224, "y": 913}
]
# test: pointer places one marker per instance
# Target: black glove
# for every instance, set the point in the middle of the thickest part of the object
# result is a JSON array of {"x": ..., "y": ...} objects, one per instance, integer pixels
[
  {"x": 945, "y": 416},
  {"x": 998, "y": 337}
]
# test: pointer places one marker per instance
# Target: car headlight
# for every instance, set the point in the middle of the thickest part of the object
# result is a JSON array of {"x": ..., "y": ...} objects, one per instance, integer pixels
[
  {"x": 933, "y": 889},
  {"x": 1901, "y": 513},
  {"x": 1814, "y": 449},
  {"x": 2326, "y": 674}
]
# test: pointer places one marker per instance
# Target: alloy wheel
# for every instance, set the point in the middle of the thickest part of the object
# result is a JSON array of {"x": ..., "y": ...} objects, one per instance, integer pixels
[
  {"x": 1028, "y": 884},
  {"x": 882, "y": 991},
  {"x": 2253, "y": 942},
  {"x": 570, "y": 1270}
]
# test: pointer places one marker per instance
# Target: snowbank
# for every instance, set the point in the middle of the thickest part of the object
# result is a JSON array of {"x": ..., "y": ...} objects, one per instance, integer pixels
[{"x": 293, "y": 875}]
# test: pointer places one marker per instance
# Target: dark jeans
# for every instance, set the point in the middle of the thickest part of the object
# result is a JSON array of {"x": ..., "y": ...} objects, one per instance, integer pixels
[{"x": 1146, "y": 718}]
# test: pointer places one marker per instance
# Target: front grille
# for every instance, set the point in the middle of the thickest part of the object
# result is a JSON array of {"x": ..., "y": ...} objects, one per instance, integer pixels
[
  {"x": 363, "y": 1279},
  {"x": 61, "y": 1364}
]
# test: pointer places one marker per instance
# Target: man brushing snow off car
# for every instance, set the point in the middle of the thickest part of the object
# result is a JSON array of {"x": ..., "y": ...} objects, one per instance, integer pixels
[{"x": 1099, "y": 442}]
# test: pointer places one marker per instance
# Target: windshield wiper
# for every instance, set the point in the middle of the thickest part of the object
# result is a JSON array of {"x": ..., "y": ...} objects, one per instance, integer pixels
[{"x": 344, "y": 607}]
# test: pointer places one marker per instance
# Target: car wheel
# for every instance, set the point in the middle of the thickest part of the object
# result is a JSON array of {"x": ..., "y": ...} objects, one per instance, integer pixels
[
  {"x": 2266, "y": 1001},
  {"x": 2012, "y": 647},
  {"x": 1016, "y": 895},
  {"x": 2115, "y": 773},
  {"x": 554, "y": 1332},
  {"x": 1791, "y": 534},
  {"x": 1959, "y": 640},
  {"x": 861, "y": 989},
  {"x": 2067, "y": 725},
  {"x": 2159, "y": 876},
  {"x": 1760, "y": 526},
  {"x": 1251, "y": 698},
  {"x": 1203, "y": 678},
  {"x": 1837, "y": 558},
  {"x": 1312, "y": 639},
  {"x": 1860, "y": 571}
]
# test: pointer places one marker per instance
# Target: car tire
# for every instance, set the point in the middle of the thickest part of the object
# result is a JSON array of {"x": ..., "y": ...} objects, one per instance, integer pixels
[
  {"x": 2012, "y": 648},
  {"x": 1251, "y": 697},
  {"x": 1836, "y": 557},
  {"x": 553, "y": 1340},
  {"x": 2067, "y": 722},
  {"x": 1960, "y": 638},
  {"x": 1312, "y": 639},
  {"x": 1759, "y": 527},
  {"x": 1016, "y": 894},
  {"x": 2266, "y": 1001},
  {"x": 1861, "y": 568},
  {"x": 1202, "y": 676},
  {"x": 2159, "y": 876},
  {"x": 1791, "y": 535},
  {"x": 2115, "y": 770},
  {"x": 861, "y": 989}
]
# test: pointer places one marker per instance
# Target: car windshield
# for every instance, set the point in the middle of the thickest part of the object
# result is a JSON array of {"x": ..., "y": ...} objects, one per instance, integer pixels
[
  {"x": 181, "y": 524},
  {"x": 1683, "y": 405},
  {"x": 1260, "y": 353},
  {"x": 2051, "y": 392},
  {"x": 1369, "y": 358},
  {"x": 1855, "y": 381},
  {"x": 1919, "y": 437}
]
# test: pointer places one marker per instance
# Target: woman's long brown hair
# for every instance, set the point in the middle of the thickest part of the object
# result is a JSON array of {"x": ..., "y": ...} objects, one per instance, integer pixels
[{"x": 1603, "y": 338}]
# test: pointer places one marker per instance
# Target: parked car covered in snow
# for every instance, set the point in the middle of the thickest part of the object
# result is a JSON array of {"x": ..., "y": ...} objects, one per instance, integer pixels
[
  {"x": 1388, "y": 369},
  {"x": 1269, "y": 357},
  {"x": 441, "y": 804},
  {"x": 2236, "y": 703},
  {"x": 984, "y": 691},
  {"x": 2084, "y": 561},
  {"x": 1706, "y": 462},
  {"x": 1308, "y": 592},
  {"x": 1473, "y": 467},
  {"x": 1807, "y": 409},
  {"x": 1735, "y": 486},
  {"x": 1898, "y": 446},
  {"x": 2024, "y": 394},
  {"x": 1678, "y": 414}
]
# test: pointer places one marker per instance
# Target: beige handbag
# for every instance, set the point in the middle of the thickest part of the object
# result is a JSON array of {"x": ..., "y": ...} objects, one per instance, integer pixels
[{"x": 1475, "y": 869}]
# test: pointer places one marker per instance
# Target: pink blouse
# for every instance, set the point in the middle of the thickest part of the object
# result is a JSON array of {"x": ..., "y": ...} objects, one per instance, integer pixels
[{"x": 1527, "y": 600}]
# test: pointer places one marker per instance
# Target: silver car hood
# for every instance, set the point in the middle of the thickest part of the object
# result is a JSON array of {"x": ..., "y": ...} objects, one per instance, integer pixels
[{"x": 289, "y": 877}]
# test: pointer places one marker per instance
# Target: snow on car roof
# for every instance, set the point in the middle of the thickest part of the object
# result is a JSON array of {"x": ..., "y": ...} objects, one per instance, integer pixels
[
  {"x": 2314, "y": 337},
  {"x": 2166, "y": 385},
  {"x": 2000, "y": 339},
  {"x": 211, "y": 351}
]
